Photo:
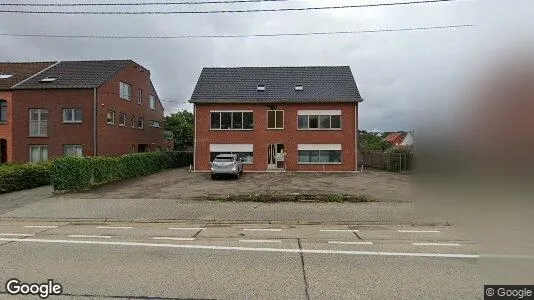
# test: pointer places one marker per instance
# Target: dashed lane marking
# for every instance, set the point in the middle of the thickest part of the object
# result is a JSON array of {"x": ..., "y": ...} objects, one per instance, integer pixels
[
  {"x": 16, "y": 234},
  {"x": 89, "y": 236},
  {"x": 41, "y": 226}
]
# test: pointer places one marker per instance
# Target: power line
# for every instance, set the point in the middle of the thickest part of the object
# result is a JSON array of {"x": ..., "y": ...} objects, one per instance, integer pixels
[
  {"x": 218, "y": 11},
  {"x": 238, "y": 35},
  {"x": 139, "y": 3}
]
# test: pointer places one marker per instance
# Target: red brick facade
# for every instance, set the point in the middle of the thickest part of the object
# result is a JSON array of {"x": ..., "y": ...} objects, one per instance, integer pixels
[
  {"x": 290, "y": 136},
  {"x": 110, "y": 139}
]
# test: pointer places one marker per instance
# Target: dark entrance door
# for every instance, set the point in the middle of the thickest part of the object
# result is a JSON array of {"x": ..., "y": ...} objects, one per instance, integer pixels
[
  {"x": 3, "y": 150},
  {"x": 142, "y": 148}
]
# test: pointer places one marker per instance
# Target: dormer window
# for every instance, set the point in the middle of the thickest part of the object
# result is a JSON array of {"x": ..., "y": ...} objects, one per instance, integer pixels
[
  {"x": 260, "y": 88},
  {"x": 299, "y": 87},
  {"x": 49, "y": 79},
  {"x": 5, "y": 76}
]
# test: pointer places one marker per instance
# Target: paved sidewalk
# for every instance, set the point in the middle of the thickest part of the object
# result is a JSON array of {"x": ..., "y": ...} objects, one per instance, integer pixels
[{"x": 14, "y": 200}]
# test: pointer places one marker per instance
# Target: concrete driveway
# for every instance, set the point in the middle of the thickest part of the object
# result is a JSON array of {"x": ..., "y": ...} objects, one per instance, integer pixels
[{"x": 181, "y": 184}]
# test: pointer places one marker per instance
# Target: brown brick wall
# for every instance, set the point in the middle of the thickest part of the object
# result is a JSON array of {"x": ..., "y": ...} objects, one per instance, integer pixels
[
  {"x": 111, "y": 139},
  {"x": 6, "y": 128},
  {"x": 261, "y": 137}
]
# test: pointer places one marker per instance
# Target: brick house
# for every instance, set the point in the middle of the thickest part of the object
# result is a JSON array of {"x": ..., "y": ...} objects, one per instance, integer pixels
[
  {"x": 87, "y": 108},
  {"x": 309, "y": 112}
]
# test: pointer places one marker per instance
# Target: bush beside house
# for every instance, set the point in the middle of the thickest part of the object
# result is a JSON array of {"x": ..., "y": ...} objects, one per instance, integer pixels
[
  {"x": 79, "y": 173},
  {"x": 16, "y": 177}
]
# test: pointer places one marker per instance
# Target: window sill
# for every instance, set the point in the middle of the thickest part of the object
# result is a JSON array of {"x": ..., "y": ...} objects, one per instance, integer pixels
[
  {"x": 67, "y": 122},
  {"x": 275, "y": 128},
  {"x": 320, "y": 129},
  {"x": 111, "y": 124},
  {"x": 318, "y": 163},
  {"x": 3, "y": 122},
  {"x": 38, "y": 136},
  {"x": 122, "y": 125},
  {"x": 231, "y": 129}
]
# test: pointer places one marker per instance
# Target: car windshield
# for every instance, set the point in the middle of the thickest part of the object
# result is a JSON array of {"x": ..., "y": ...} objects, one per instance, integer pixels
[{"x": 224, "y": 159}]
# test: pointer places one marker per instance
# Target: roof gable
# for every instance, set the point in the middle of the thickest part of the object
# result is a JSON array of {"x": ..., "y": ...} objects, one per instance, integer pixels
[{"x": 240, "y": 85}]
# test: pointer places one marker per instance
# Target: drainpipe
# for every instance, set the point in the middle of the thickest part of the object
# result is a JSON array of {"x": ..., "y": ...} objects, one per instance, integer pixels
[
  {"x": 195, "y": 138},
  {"x": 95, "y": 122}
]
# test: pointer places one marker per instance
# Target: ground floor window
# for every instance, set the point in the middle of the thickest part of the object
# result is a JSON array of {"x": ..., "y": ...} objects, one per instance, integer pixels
[
  {"x": 246, "y": 157},
  {"x": 72, "y": 150},
  {"x": 38, "y": 153},
  {"x": 319, "y": 153}
]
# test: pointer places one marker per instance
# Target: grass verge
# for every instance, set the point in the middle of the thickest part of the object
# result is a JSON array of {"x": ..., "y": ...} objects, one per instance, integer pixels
[{"x": 339, "y": 198}]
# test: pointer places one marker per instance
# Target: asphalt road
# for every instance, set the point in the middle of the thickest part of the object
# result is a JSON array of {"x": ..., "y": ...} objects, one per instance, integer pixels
[{"x": 248, "y": 261}]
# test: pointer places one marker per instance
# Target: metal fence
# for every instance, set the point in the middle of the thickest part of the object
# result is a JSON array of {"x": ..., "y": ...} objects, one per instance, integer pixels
[{"x": 395, "y": 162}]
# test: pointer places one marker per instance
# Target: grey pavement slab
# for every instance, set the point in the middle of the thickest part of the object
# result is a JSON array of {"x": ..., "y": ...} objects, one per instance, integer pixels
[{"x": 14, "y": 200}]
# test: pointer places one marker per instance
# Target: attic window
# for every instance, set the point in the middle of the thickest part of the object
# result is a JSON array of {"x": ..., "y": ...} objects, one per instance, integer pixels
[
  {"x": 299, "y": 87},
  {"x": 5, "y": 76},
  {"x": 260, "y": 88},
  {"x": 49, "y": 79}
]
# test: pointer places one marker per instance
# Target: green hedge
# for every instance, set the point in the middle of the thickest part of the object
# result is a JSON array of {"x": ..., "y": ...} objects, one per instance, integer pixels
[
  {"x": 15, "y": 177},
  {"x": 80, "y": 173}
]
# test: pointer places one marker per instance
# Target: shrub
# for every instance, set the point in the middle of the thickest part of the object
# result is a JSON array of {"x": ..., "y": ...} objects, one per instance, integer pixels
[
  {"x": 76, "y": 173},
  {"x": 15, "y": 177}
]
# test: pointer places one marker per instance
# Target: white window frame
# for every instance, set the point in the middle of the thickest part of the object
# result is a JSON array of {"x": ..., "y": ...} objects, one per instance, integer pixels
[
  {"x": 134, "y": 119},
  {"x": 152, "y": 101},
  {"x": 283, "y": 117},
  {"x": 139, "y": 96},
  {"x": 3, "y": 111},
  {"x": 153, "y": 124},
  {"x": 123, "y": 124},
  {"x": 232, "y": 119},
  {"x": 319, "y": 113},
  {"x": 113, "y": 117},
  {"x": 39, "y": 121},
  {"x": 73, "y": 120},
  {"x": 319, "y": 147},
  {"x": 41, "y": 147},
  {"x": 142, "y": 120},
  {"x": 73, "y": 147},
  {"x": 125, "y": 91}
]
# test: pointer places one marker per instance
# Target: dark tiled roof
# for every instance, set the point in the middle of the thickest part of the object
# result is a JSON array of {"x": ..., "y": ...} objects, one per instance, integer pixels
[
  {"x": 20, "y": 71},
  {"x": 76, "y": 74},
  {"x": 239, "y": 85}
]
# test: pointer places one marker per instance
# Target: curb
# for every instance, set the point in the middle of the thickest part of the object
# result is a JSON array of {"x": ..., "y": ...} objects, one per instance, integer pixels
[{"x": 219, "y": 222}]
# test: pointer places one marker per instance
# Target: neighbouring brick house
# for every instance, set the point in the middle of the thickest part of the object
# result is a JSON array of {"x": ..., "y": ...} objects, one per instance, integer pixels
[
  {"x": 255, "y": 112},
  {"x": 52, "y": 109}
]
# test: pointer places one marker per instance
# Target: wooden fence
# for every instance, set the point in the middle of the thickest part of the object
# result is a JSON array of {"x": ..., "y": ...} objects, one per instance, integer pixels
[{"x": 395, "y": 162}]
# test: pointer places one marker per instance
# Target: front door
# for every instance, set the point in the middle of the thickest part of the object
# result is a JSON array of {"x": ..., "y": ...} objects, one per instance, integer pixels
[{"x": 273, "y": 152}]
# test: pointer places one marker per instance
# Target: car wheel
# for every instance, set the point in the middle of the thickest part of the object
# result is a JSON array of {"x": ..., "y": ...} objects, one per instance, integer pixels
[
  {"x": 241, "y": 172},
  {"x": 237, "y": 175}
]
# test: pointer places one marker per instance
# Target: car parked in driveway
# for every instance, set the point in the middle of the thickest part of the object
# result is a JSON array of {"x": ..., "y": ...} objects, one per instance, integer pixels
[{"x": 226, "y": 164}]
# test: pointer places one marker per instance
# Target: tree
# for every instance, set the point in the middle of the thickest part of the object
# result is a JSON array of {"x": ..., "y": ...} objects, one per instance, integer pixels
[
  {"x": 181, "y": 125},
  {"x": 371, "y": 141}
]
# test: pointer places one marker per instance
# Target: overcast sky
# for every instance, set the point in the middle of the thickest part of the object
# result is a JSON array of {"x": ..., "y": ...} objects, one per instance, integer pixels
[{"x": 397, "y": 72}]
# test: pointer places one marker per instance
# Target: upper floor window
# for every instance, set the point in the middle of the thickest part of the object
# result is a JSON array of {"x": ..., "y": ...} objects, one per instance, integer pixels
[
  {"x": 139, "y": 96},
  {"x": 38, "y": 122},
  {"x": 275, "y": 119},
  {"x": 111, "y": 117},
  {"x": 155, "y": 123},
  {"x": 140, "y": 122},
  {"x": 3, "y": 111},
  {"x": 327, "y": 119},
  {"x": 122, "y": 119},
  {"x": 72, "y": 115},
  {"x": 238, "y": 120},
  {"x": 152, "y": 100},
  {"x": 72, "y": 150},
  {"x": 125, "y": 91},
  {"x": 132, "y": 121}
]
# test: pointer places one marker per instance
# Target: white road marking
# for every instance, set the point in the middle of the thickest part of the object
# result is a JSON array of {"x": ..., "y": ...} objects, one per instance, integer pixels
[
  {"x": 172, "y": 238},
  {"x": 419, "y": 231},
  {"x": 512, "y": 256},
  {"x": 437, "y": 244},
  {"x": 114, "y": 227},
  {"x": 187, "y": 228},
  {"x": 281, "y": 250},
  {"x": 41, "y": 226},
  {"x": 339, "y": 230},
  {"x": 16, "y": 234},
  {"x": 90, "y": 236},
  {"x": 260, "y": 241},
  {"x": 350, "y": 243},
  {"x": 262, "y": 229}
]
